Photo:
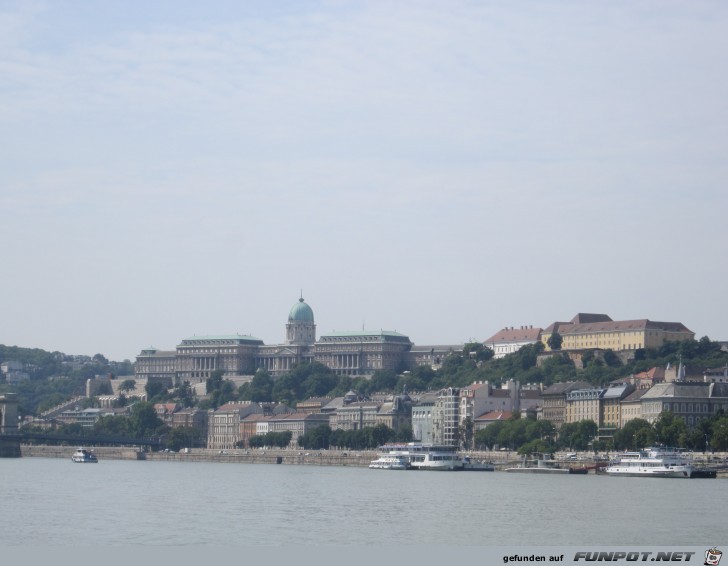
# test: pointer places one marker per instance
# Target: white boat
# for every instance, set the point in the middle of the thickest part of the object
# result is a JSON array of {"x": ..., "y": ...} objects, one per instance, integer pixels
[
  {"x": 390, "y": 462},
  {"x": 541, "y": 464},
  {"x": 83, "y": 456},
  {"x": 425, "y": 456},
  {"x": 436, "y": 458},
  {"x": 651, "y": 463}
]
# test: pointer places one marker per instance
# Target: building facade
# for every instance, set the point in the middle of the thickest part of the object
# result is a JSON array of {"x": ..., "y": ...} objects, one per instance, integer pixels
[
  {"x": 446, "y": 417},
  {"x": 422, "y": 414},
  {"x": 599, "y": 331},
  {"x": 357, "y": 353},
  {"x": 554, "y": 401},
  {"x": 512, "y": 339},
  {"x": 691, "y": 401},
  {"x": 362, "y": 352}
]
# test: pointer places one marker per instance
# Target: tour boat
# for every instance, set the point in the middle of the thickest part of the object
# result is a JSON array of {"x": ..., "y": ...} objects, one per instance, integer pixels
[
  {"x": 83, "y": 456},
  {"x": 390, "y": 462},
  {"x": 542, "y": 464},
  {"x": 651, "y": 463},
  {"x": 425, "y": 456}
]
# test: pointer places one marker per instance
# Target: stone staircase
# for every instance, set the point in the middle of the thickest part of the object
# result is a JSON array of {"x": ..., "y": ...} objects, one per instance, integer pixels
[{"x": 57, "y": 410}]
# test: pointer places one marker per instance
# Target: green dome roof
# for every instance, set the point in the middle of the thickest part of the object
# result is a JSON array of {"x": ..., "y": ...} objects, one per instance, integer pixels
[{"x": 300, "y": 312}]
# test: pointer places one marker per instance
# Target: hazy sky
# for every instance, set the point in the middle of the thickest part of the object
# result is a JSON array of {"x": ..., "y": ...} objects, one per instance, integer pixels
[{"x": 443, "y": 169}]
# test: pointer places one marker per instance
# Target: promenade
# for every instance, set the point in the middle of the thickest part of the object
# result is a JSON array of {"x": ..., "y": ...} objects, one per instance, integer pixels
[{"x": 354, "y": 458}]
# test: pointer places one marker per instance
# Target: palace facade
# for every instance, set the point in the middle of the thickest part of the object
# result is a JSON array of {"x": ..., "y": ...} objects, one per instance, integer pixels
[{"x": 354, "y": 353}]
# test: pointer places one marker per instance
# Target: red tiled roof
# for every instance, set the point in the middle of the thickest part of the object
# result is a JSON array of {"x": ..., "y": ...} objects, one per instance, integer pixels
[
  {"x": 652, "y": 373},
  {"x": 622, "y": 326},
  {"x": 508, "y": 335},
  {"x": 495, "y": 416}
]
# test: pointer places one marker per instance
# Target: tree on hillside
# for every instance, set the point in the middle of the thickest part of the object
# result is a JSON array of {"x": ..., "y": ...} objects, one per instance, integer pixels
[
  {"x": 477, "y": 351},
  {"x": 214, "y": 382},
  {"x": 555, "y": 340},
  {"x": 144, "y": 421},
  {"x": 219, "y": 390},
  {"x": 184, "y": 395},
  {"x": 156, "y": 391},
  {"x": 261, "y": 387},
  {"x": 101, "y": 359},
  {"x": 127, "y": 385},
  {"x": 286, "y": 389}
]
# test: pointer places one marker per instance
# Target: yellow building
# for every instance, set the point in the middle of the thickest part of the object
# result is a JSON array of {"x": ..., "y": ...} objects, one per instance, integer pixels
[{"x": 598, "y": 331}]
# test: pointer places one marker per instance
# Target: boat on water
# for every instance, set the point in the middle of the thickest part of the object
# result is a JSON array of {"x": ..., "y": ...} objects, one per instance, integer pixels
[
  {"x": 470, "y": 465},
  {"x": 656, "y": 462},
  {"x": 390, "y": 462},
  {"x": 543, "y": 464},
  {"x": 424, "y": 456},
  {"x": 83, "y": 456},
  {"x": 435, "y": 457}
]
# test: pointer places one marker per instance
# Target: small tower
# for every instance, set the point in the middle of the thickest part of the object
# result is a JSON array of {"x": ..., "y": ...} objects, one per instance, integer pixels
[{"x": 300, "y": 328}]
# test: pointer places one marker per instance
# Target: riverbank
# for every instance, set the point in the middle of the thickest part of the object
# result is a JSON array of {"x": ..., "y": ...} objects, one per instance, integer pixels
[
  {"x": 354, "y": 458},
  {"x": 297, "y": 457}
]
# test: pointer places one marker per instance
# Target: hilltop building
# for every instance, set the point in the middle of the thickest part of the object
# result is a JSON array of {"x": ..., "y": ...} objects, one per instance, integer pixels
[
  {"x": 512, "y": 339},
  {"x": 354, "y": 353},
  {"x": 599, "y": 331}
]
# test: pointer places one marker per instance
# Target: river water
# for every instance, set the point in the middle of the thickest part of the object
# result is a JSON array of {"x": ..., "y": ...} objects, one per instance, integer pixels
[{"x": 117, "y": 502}]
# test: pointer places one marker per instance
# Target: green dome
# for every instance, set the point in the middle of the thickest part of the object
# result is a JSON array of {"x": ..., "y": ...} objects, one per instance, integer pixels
[{"x": 300, "y": 312}]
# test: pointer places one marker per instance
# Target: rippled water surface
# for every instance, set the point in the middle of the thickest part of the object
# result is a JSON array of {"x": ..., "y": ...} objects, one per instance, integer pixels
[{"x": 179, "y": 503}]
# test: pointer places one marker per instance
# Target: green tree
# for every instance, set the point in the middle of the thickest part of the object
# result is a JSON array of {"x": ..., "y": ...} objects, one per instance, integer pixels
[
  {"x": 104, "y": 388},
  {"x": 184, "y": 437},
  {"x": 536, "y": 446},
  {"x": 261, "y": 387},
  {"x": 127, "y": 385},
  {"x": 214, "y": 382},
  {"x": 636, "y": 434},
  {"x": 144, "y": 421},
  {"x": 555, "y": 340},
  {"x": 184, "y": 395},
  {"x": 155, "y": 390},
  {"x": 381, "y": 380},
  {"x": 578, "y": 435},
  {"x": 112, "y": 426},
  {"x": 381, "y": 434},
  {"x": 316, "y": 439},
  {"x": 286, "y": 389},
  {"x": 668, "y": 428},
  {"x": 404, "y": 433},
  {"x": 477, "y": 351},
  {"x": 487, "y": 438},
  {"x": 281, "y": 439},
  {"x": 101, "y": 359},
  {"x": 719, "y": 440},
  {"x": 466, "y": 433}
]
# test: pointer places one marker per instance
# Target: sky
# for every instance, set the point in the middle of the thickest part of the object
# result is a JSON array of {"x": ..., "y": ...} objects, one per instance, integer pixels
[{"x": 441, "y": 169}]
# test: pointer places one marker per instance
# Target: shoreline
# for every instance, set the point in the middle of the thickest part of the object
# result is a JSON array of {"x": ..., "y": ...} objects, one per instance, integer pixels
[
  {"x": 353, "y": 458},
  {"x": 356, "y": 458}
]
